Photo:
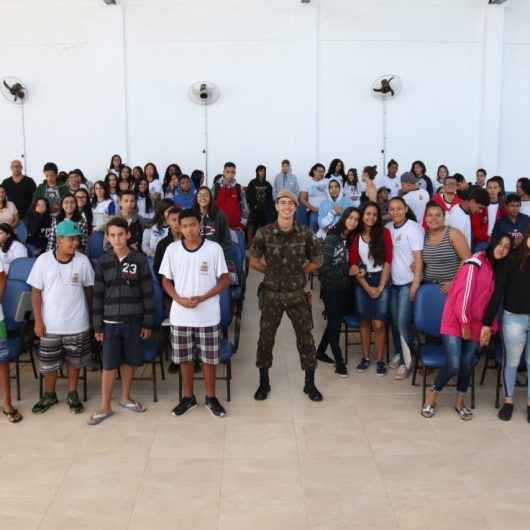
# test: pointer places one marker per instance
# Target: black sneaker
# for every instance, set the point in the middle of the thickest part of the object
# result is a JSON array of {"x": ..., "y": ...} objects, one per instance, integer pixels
[
  {"x": 363, "y": 365},
  {"x": 215, "y": 407},
  {"x": 73, "y": 401},
  {"x": 505, "y": 414},
  {"x": 186, "y": 404},
  {"x": 173, "y": 368},
  {"x": 341, "y": 370},
  {"x": 380, "y": 369},
  {"x": 48, "y": 400},
  {"x": 323, "y": 357}
]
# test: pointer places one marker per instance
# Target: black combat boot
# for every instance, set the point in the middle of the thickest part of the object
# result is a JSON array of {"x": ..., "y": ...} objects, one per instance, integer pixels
[
  {"x": 309, "y": 388},
  {"x": 264, "y": 385}
]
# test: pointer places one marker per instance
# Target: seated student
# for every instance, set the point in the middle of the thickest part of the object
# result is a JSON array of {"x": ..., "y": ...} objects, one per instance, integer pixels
[
  {"x": 514, "y": 224},
  {"x": 229, "y": 198},
  {"x": 123, "y": 316},
  {"x": 285, "y": 180},
  {"x": 336, "y": 170},
  {"x": 102, "y": 206},
  {"x": 446, "y": 196},
  {"x": 424, "y": 182},
  {"x": 260, "y": 202},
  {"x": 19, "y": 188},
  {"x": 73, "y": 183},
  {"x": 8, "y": 210},
  {"x": 391, "y": 180},
  {"x": 38, "y": 223},
  {"x": 482, "y": 223},
  {"x": 524, "y": 186},
  {"x": 214, "y": 225},
  {"x": 415, "y": 197},
  {"x": 113, "y": 191},
  {"x": 353, "y": 187},
  {"x": 441, "y": 174},
  {"x": 461, "y": 325},
  {"x": 194, "y": 274},
  {"x": 115, "y": 164},
  {"x": 370, "y": 262},
  {"x": 69, "y": 211},
  {"x": 82, "y": 198},
  {"x": 185, "y": 194},
  {"x": 462, "y": 184},
  {"x": 383, "y": 201},
  {"x": 173, "y": 235},
  {"x": 128, "y": 212},
  {"x": 151, "y": 174},
  {"x": 313, "y": 192},
  {"x": 158, "y": 230},
  {"x": 61, "y": 282},
  {"x": 336, "y": 286},
  {"x": 137, "y": 173},
  {"x": 10, "y": 247},
  {"x": 474, "y": 201},
  {"x": 330, "y": 210},
  {"x": 170, "y": 188},
  {"x": 144, "y": 203},
  {"x": 10, "y": 412},
  {"x": 444, "y": 248},
  {"x": 480, "y": 178},
  {"x": 50, "y": 189},
  {"x": 197, "y": 178}
]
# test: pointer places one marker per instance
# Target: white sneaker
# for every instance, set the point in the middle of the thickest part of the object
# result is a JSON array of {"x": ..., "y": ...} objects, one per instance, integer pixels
[
  {"x": 402, "y": 373},
  {"x": 395, "y": 361}
]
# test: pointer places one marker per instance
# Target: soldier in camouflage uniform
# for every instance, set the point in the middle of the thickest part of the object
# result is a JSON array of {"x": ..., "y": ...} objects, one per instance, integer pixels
[{"x": 285, "y": 253}]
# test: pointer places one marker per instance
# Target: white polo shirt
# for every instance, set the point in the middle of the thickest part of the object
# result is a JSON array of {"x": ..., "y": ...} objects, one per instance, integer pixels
[
  {"x": 459, "y": 219},
  {"x": 406, "y": 239},
  {"x": 417, "y": 201}
]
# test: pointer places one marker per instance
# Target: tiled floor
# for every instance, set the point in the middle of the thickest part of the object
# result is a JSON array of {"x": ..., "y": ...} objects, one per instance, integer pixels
[{"x": 362, "y": 459}]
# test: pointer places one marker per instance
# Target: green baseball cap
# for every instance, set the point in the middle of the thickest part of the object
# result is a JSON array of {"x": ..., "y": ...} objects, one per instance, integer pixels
[{"x": 67, "y": 228}]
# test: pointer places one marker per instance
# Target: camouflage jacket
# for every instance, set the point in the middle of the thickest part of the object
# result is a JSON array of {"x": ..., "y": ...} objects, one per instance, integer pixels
[{"x": 285, "y": 254}]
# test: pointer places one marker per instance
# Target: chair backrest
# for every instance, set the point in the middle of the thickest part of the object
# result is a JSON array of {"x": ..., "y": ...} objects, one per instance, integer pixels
[
  {"x": 225, "y": 301},
  {"x": 12, "y": 294},
  {"x": 22, "y": 232},
  {"x": 20, "y": 269},
  {"x": 428, "y": 309},
  {"x": 158, "y": 295},
  {"x": 95, "y": 245},
  {"x": 234, "y": 254}
]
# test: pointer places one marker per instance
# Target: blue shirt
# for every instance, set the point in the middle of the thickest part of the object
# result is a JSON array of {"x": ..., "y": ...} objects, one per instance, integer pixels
[{"x": 516, "y": 230}]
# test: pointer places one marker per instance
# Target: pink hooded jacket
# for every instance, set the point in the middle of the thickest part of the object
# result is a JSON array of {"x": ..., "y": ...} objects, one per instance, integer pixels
[{"x": 468, "y": 298}]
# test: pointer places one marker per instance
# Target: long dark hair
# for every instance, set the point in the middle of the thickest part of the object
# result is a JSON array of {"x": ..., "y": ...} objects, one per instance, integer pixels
[
  {"x": 333, "y": 167},
  {"x": 500, "y": 182},
  {"x": 161, "y": 207},
  {"x": 148, "y": 202},
  {"x": 155, "y": 170},
  {"x": 355, "y": 177},
  {"x": 11, "y": 236},
  {"x": 371, "y": 171},
  {"x": 524, "y": 252},
  {"x": 94, "y": 200},
  {"x": 3, "y": 204},
  {"x": 212, "y": 209},
  {"x": 258, "y": 169},
  {"x": 376, "y": 247},
  {"x": 418, "y": 163},
  {"x": 108, "y": 176},
  {"x": 315, "y": 167},
  {"x": 167, "y": 175},
  {"x": 76, "y": 217},
  {"x": 340, "y": 227},
  {"x": 87, "y": 209},
  {"x": 112, "y": 158},
  {"x": 496, "y": 238},
  {"x": 32, "y": 214}
]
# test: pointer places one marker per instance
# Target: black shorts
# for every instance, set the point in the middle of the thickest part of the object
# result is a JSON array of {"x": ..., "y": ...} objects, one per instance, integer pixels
[{"x": 122, "y": 345}]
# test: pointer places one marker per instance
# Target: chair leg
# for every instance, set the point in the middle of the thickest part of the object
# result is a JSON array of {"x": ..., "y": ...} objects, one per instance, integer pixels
[
  {"x": 162, "y": 369},
  {"x": 414, "y": 371},
  {"x": 85, "y": 383},
  {"x": 33, "y": 365},
  {"x": 180, "y": 385},
  {"x": 387, "y": 336},
  {"x": 473, "y": 382},
  {"x": 498, "y": 386},
  {"x": 346, "y": 350},
  {"x": 40, "y": 386},
  {"x": 17, "y": 370},
  {"x": 483, "y": 376},
  {"x": 228, "y": 379},
  {"x": 155, "y": 389},
  {"x": 424, "y": 387}
]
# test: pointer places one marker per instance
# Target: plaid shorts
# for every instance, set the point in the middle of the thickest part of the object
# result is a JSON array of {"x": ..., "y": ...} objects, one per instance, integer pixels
[
  {"x": 55, "y": 350},
  {"x": 195, "y": 343}
]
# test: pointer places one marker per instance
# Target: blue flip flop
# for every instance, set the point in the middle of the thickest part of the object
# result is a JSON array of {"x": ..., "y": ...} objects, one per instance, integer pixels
[{"x": 98, "y": 417}]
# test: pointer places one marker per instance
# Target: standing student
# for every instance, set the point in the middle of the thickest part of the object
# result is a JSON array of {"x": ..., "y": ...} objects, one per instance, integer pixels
[
  {"x": 336, "y": 287},
  {"x": 19, "y": 188},
  {"x": 194, "y": 273},
  {"x": 128, "y": 213},
  {"x": 415, "y": 197},
  {"x": 69, "y": 211},
  {"x": 10, "y": 412},
  {"x": 82, "y": 198},
  {"x": 441, "y": 174},
  {"x": 38, "y": 223},
  {"x": 391, "y": 180},
  {"x": 474, "y": 201},
  {"x": 115, "y": 164},
  {"x": 185, "y": 194},
  {"x": 524, "y": 184},
  {"x": 480, "y": 178},
  {"x": 229, "y": 198},
  {"x": 151, "y": 174},
  {"x": 370, "y": 261},
  {"x": 158, "y": 230},
  {"x": 419, "y": 170},
  {"x": 61, "y": 282},
  {"x": 482, "y": 223},
  {"x": 446, "y": 196},
  {"x": 313, "y": 192},
  {"x": 10, "y": 247},
  {"x": 260, "y": 202},
  {"x": 123, "y": 316},
  {"x": 514, "y": 224},
  {"x": 8, "y": 210},
  {"x": 285, "y": 253},
  {"x": 406, "y": 274},
  {"x": 102, "y": 206},
  {"x": 336, "y": 169},
  {"x": 462, "y": 318},
  {"x": 352, "y": 186},
  {"x": 285, "y": 180},
  {"x": 144, "y": 203},
  {"x": 50, "y": 189},
  {"x": 330, "y": 210}
]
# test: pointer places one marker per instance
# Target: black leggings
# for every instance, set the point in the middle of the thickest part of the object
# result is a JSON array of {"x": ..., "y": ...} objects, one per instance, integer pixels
[{"x": 337, "y": 304}]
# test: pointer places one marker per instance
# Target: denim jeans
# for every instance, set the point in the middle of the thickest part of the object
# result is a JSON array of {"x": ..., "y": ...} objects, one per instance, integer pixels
[
  {"x": 401, "y": 309},
  {"x": 337, "y": 304},
  {"x": 302, "y": 216},
  {"x": 313, "y": 221},
  {"x": 516, "y": 331},
  {"x": 460, "y": 357}
]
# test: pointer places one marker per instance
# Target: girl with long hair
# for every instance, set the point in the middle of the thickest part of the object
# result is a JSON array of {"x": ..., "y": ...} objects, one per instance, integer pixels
[
  {"x": 151, "y": 174},
  {"x": 102, "y": 206},
  {"x": 214, "y": 225},
  {"x": 10, "y": 247},
  {"x": 336, "y": 169},
  {"x": 144, "y": 203},
  {"x": 83, "y": 204},
  {"x": 38, "y": 223},
  {"x": 159, "y": 229},
  {"x": 70, "y": 211},
  {"x": 353, "y": 188},
  {"x": 115, "y": 164},
  {"x": 8, "y": 210}
]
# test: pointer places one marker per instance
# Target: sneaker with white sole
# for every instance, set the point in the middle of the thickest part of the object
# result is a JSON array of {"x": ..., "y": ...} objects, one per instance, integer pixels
[
  {"x": 402, "y": 373},
  {"x": 395, "y": 362}
]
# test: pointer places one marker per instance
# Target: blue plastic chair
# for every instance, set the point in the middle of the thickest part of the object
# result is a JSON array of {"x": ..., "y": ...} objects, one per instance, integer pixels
[
  {"x": 95, "y": 245},
  {"x": 22, "y": 232}
]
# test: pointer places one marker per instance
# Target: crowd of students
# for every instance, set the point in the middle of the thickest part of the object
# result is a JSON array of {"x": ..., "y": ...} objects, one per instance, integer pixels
[{"x": 377, "y": 238}]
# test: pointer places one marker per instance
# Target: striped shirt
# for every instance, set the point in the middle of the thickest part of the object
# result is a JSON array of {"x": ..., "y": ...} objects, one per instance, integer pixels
[{"x": 440, "y": 261}]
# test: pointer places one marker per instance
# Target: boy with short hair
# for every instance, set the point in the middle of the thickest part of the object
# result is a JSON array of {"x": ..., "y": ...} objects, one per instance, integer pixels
[
  {"x": 62, "y": 282},
  {"x": 515, "y": 224},
  {"x": 50, "y": 189},
  {"x": 230, "y": 199},
  {"x": 194, "y": 273},
  {"x": 129, "y": 213},
  {"x": 123, "y": 316}
]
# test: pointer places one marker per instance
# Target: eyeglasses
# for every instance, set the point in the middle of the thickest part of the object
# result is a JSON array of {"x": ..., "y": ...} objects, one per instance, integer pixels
[{"x": 286, "y": 203}]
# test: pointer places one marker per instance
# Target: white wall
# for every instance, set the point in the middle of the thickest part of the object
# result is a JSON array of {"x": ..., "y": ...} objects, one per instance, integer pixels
[{"x": 295, "y": 82}]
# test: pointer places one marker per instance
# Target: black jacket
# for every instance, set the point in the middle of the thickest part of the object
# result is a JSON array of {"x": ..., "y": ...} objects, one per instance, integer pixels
[
  {"x": 334, "y": 272},
  {"x": 123, "y": 291}
]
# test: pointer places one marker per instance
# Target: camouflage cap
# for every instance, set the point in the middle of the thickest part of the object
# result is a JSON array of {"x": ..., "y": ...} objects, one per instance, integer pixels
[{"x": 286, "y": 194}]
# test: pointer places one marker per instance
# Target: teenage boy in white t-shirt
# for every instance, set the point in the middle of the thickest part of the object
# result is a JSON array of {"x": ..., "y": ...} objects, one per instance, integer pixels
[
  {"x": 194, "y": 272},
  {"x": 62, "y": 282}
]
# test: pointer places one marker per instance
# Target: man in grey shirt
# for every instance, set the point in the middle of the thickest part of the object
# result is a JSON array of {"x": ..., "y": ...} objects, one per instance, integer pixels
[{"x": 285, "y": 181}]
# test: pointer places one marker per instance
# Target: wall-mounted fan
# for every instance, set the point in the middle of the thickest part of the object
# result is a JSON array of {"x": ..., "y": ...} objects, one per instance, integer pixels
[
  {"x": 16, "y": 92},
  {"x": 205, "y": 94},
  {"x": 385, "y": 89}
]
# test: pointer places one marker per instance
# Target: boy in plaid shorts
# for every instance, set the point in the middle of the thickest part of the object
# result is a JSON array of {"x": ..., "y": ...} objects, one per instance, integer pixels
[
  {"x": 193, "y": 274},
  {"x": 62, "y": 282}
]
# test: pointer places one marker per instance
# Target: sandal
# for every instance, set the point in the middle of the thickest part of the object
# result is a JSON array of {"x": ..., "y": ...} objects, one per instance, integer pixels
[
  {"x": 465, "y": 413},
  {"x": 134, "y": 406},
  {"x": 98, "y": 417},
  {"x": 13, "y": 416},
  {"x": 427, "y": 411}
]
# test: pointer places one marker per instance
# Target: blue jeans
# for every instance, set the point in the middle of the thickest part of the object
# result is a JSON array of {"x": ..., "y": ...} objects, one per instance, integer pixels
[
  {"x": 313, "y": 221},
  {"x": 460, "y": 357},
  {"x": 401, "y": 309},
  {"x": 302, "y": 216},
  {"x": 516, "y": 331}
]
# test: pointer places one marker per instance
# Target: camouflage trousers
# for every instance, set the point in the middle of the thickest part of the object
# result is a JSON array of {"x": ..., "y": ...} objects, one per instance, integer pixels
[{"x": 298, "y": 309}]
